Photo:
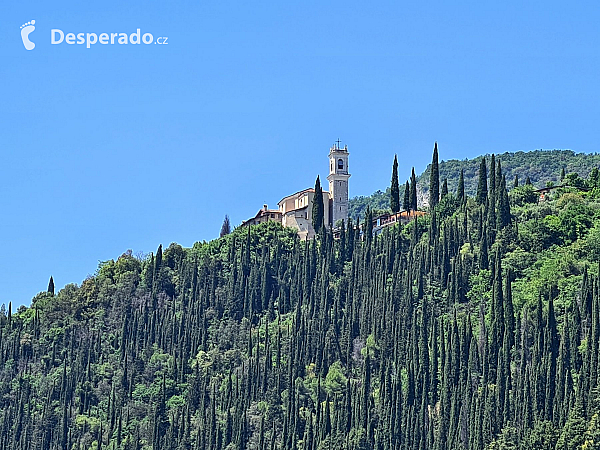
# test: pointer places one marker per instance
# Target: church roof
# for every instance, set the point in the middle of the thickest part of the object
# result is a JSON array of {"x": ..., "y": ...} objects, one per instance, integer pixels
[{"x": 298, "y": 194}]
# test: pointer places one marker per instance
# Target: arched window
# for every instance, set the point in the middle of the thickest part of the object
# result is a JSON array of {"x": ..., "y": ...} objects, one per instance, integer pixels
[{"x": 340, "y": 164}]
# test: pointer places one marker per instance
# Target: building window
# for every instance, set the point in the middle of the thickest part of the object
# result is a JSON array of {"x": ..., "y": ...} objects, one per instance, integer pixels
[{"x": 340, "y": 164}]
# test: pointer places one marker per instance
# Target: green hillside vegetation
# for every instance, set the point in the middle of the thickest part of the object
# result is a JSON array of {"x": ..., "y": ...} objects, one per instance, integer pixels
[
  {"x": 475, "y": 327},
  {"x": 541, "y": 166}
]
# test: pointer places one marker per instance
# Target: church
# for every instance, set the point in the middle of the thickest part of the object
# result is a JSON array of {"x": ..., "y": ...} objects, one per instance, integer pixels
[{"x": 295, "y": 211}]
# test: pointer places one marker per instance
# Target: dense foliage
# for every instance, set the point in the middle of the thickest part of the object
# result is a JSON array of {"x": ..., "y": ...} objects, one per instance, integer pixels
[
  {"x": 475, "y": 327},
  {"x": 540, "y": 166}
]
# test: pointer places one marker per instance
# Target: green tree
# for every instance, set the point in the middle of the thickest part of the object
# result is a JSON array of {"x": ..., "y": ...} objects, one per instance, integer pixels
[
  {"x": 413, "y": 191},
  {"x": 158, "y": 260},
  {"x": 573, "y": 433},
  {"x": 460, "y": 192},
  {"x": 503, "y": 205},
  {"x": 444, "y": 191},
  {"x": 395, "y": 189},
  {"x": 482, "y": 187},
  {"x": 406, "y": 203},
  {"x": 434, "y": 179},
  {"x": 51, "y": 286},
  {"x": 318, "y": 209},
  {"x": 226, "y": 227}
]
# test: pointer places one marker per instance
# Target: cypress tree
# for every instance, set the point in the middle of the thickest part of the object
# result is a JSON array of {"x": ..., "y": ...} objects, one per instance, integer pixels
[
  {"x": 562, "y": 174},
  {"x": 368, "y": 227},
  {"x": 516, "y": 182},
  {"x": 395, "y": 189},
  {"x": 158, "y": 259},
  {"x": 226, "y": 227},
  {"x": 482, "y": 188},
  {"x": 492, "y": 183},
  {"x": 413, "y": 191},
  {"x": 406, "y": 203},
  {"x": 318, "y": 209},
  {"x": 434, "y": 179},
  {"x": 460, "y": 192},
  {"x": 528, "y": 181},
  {"x": 51, "y": 286},
  {"x": 498, "y": 175},
  {"x": 503, "y": 217},
  {"x": 444, "y": 188}
]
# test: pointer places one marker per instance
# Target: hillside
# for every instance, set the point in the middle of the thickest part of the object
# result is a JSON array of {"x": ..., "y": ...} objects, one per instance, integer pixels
[
  {"x": 475, "y": 327},
  {"x": 541, "y": 166}
]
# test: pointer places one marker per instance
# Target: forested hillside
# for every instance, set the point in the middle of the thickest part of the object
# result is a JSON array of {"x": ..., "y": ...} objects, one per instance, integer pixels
[
  {"x": 475, "y": 327},
  {"x": 541, "y": 166}
]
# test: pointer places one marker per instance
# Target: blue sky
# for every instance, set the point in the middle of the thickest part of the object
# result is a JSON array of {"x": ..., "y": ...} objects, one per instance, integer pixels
[{"x": 122, "y": 147}]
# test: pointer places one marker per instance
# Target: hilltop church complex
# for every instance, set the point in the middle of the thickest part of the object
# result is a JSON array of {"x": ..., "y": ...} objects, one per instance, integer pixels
[{"x": 295, "y": 211}]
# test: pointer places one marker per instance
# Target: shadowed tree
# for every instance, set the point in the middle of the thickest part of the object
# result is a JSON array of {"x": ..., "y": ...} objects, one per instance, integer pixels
[
  {"x": 226, "y": 227},
  {"x": 482, "y": 188},
  {"x": 444, "y": 191},
  {"x": 503, "y": 205},
  {"x": 460, "y": 192},
  {"x": 51, "y": 285},
  {"x": 434, "y": 179},
  {"x": 413, "y": 191},
  {"x": 318, "y": 209},
  {"x": 395, "y": 189},
  {"x": 406, "y": 203}
]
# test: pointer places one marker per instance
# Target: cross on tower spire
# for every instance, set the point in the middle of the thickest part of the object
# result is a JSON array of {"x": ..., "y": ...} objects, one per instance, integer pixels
[{"x": 338, "y": 143}]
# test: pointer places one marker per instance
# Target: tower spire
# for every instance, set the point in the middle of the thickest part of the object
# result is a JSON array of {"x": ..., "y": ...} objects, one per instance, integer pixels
[{"x": 338, "y": 183}]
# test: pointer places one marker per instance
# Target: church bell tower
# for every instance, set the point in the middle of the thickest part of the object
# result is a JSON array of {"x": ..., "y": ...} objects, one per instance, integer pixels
[{"x": 338, "y": 183}]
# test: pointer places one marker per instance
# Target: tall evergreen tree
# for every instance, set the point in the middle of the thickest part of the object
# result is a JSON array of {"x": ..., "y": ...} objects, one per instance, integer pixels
[
  {"x": 492, "y": 182},
  {"x": 395, "y": 188},
  {"x": 444, "y": 191},
  {"x": 498, "y": 175},
  {"x": 460, "y": 192},
  {"x": 503, "y": 216},
  {"x": 406, "y": 203},
  {"x": 226, "y": 227},
  {"x": 318, "y": 208},
  {"x": 482, "y": 187},
  {"x": 434, "y": 179},
  {"x": 51, "y": 286},
  {"x": 413, "y": 191},
  {"x": 158, "y": 259}
]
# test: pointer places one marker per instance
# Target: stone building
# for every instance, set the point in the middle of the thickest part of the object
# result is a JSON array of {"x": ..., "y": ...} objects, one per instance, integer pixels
[
  {"x": 264, "y": 215},
  {"x": 295, "y": 210}
]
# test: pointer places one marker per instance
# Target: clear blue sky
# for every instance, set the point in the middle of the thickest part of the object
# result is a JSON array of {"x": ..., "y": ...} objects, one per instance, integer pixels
[{"x": 122, "y": 147}]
